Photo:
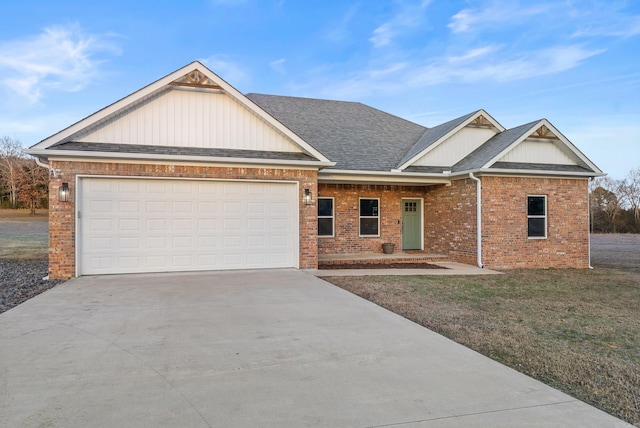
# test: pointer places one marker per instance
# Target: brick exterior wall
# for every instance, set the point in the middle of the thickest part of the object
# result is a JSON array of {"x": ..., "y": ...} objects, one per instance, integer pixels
[
  {"x": 450, "y": 220},
  {"x": 62, "y": 263},
  {"x": 449, "y": 214},
  {"x": 504, "y": 233},
  {"x": 346, "y": 238}
]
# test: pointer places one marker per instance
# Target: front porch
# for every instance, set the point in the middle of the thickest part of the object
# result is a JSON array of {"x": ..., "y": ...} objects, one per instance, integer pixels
[{"x": 328, "y": 261}]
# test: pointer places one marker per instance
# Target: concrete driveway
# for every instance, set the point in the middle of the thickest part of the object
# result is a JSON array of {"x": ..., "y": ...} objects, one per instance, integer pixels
[{"x": 256, "y": 349}]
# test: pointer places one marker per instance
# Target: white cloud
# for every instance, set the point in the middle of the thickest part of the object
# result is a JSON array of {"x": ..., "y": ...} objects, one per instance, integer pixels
[
  {"x": 60, "y": 58},
  {"x": 410, "y": 15},
  {"x": 615, "y": 26},
  {"x": 484, "y": 64},
  {"x": 493, "y": 14},
  {"x": 278, "y": 65},
  {"x": 230, "y": 71},
  {"x": 382, "y": 35}
]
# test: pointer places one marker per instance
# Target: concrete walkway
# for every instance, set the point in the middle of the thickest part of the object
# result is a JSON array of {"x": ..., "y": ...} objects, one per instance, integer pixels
[
  {"x": 250, "y": 349},
  {"x": 450, "y": 268}
]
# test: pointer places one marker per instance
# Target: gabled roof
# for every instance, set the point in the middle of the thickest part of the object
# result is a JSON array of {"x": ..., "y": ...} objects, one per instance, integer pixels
[
  {"x": 354, "y": 135},
  {"x": 191, "y": 75},
  {"x": 348, "y": 137},
  {"x": 489, "y": 155},
  {"x": 483, "y": 154},
  {"x": 432, "y": 135},
  {"x": 436, "y": 135}
]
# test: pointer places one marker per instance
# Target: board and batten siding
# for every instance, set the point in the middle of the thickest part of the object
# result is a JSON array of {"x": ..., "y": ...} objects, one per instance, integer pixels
[
  {"x": 190, "y": 118},
  {"x": 459, "y": 145},
  {"x": 540, "y": 151}
]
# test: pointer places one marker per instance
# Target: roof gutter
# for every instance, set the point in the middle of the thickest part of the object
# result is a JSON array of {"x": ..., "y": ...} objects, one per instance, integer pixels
[
  {"x": 527, "y": 172},
  {"x": 52, "y": 172},
  {"x": 478, "y": 217},
  {"x": 103, "y": 156}
]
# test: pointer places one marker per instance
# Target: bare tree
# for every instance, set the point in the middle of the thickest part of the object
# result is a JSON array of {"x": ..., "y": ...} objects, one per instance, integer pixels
[
  {"x": 33, "y": 183},
  {"x": 630, "y": 192},
  {"x": 605, "y": 203},
  {"x": 11, "y": 155}
]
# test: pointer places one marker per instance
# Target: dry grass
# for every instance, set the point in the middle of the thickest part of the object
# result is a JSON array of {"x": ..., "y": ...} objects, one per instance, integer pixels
[
  {"x": 576, "y": 330},
  {"x": 23, "y": 236}
]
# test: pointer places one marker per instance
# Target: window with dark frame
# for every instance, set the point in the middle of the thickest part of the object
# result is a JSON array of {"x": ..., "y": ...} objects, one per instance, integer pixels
[
  {"x": 325, "y": 217},
  {"x": 536, "y": 216},
  {"x": 369, "y": 217}
]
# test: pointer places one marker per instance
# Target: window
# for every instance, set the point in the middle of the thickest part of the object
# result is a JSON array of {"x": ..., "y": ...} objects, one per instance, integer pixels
[
  {"x": 325, "y": 216},
  {"x": 537, "y": 216},
  {"x": 369, "y": 217}
]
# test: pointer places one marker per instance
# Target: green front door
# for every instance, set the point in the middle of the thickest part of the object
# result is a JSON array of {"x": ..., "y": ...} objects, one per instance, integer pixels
[{"x": 411, "y": 224}]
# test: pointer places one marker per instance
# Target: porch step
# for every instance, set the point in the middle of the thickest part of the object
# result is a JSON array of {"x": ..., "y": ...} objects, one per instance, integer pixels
[{"x": 325, "y": 261}]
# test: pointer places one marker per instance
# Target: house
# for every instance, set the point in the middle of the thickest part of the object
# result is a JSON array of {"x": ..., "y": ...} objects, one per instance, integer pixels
[{"x": 190, "y": 174}]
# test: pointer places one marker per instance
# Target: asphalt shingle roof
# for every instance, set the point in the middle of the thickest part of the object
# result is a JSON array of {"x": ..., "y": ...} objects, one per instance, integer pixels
[
  {"x": 540, "y": 167},
  {"x": 432, "y": 135},
  {"x": 184, "y": 151},
  {"x": 355, "y": 136},
  {"x": 483, "y": 154}
]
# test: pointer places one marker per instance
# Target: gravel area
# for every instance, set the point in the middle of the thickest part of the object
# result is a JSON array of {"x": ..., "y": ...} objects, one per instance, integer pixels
[
  {"x": 21, "y": 280},
  {"x": 616, "y": 251}
]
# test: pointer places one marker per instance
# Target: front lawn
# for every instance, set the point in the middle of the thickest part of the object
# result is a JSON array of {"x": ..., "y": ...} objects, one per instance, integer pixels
[{"x": 576, "y": 330}]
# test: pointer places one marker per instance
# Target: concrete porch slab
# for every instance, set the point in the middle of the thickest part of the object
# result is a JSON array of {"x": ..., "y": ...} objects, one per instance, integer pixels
[{"x": 451, "y": 268}]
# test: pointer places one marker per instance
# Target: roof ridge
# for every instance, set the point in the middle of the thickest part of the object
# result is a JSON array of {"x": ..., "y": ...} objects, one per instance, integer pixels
[{"x": 249, "y": 94}]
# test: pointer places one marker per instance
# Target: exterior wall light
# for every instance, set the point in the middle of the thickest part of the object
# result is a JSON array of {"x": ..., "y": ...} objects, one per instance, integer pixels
[
  {"x": 64, "y": 193},
  {"x": 308, "y": 197}
]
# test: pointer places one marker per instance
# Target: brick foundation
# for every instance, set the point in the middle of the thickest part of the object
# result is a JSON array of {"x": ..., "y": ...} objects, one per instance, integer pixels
[{"x": 62, "y": 263}]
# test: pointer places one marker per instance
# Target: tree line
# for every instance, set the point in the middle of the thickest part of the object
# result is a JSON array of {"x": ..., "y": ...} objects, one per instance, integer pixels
[
  {"x": 615, "y": 204},
  {"x": 23, "y": 183}
]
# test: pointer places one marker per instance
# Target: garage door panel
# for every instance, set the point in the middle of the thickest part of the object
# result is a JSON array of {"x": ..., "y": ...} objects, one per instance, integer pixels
[{"x": 146, "y": 225}]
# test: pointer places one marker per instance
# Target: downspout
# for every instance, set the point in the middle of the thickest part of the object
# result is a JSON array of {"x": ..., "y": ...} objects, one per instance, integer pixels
[
  {"x": 590, "y": 221},
  {"x": 52, "y": 172},
  {"x": 478, "y": 217}
]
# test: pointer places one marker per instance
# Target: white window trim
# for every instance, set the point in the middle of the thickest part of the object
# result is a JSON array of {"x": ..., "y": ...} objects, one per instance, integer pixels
[
  {"x": 332, "y": 217},
  {"x": 538, "y": 216},
  {"x": 361, "y": 217}
]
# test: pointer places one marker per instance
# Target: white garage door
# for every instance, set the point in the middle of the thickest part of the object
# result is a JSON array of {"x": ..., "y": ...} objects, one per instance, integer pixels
[{"x": 145, "y": 225}]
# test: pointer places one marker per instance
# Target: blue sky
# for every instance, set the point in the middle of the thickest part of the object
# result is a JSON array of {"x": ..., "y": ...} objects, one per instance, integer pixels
[{"x": 574, "y": 62}]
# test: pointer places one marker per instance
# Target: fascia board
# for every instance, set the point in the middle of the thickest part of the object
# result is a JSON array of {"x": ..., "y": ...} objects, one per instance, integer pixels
[
  {"x": 257, "y": 110},
  {"x": 161, "y": 83},
  {"x": 448, "y": 135},
  {"x": 115, "y": 107},
  {"x": 562, "y": 138},
  {"x": 525, "y": 172},
  {"x": 571, "y": 147},
  {"x": 107, "y": 156},
  {"x": 336, "y": 175}
]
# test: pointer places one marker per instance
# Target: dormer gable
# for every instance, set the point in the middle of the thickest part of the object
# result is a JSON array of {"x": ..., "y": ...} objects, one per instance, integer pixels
[
  {"x": 542, "y": 145},
  {"x": 446, "y": 144}
]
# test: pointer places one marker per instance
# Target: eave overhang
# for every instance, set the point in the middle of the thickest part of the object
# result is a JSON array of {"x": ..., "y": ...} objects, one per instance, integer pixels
[
  {"x": 381, "y": 178},
  {"x": 525, "y": 173},
  {"x": 94, "y": 156}
]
